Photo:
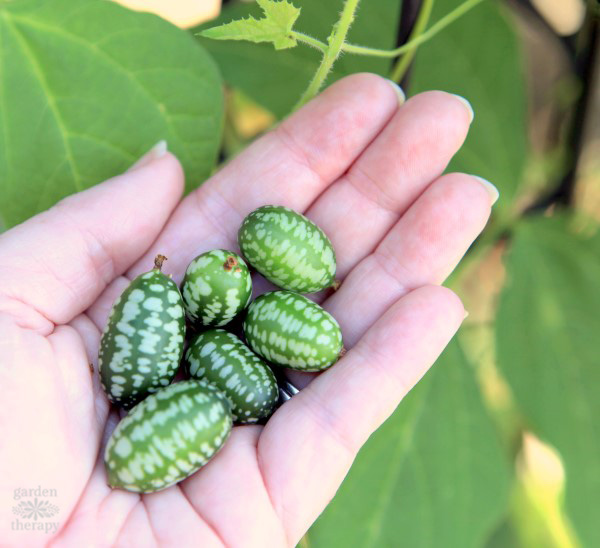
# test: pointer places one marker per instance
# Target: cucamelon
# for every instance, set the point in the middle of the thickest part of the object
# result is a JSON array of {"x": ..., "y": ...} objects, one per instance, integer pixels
[
  {"x": 142, "y": 343},
  {"x": 288, "y": 249},
  {"x": 290, "y": 330},
  {"x": 167, "y": 437},
  {"x": 222, "y": 359},
  {"x": 217, "y": 286}
]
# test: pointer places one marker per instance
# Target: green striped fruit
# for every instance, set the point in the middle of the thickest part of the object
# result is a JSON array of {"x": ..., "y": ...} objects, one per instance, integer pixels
[
  {"x": 217, "y": 286},
  {"x": 287, "y": 249},
  {"x": 290, "y": 330},
  {"x": 142, "y": 344},
  {"x": 167, "y": 437},
  {"x": 223, "y": 360}
]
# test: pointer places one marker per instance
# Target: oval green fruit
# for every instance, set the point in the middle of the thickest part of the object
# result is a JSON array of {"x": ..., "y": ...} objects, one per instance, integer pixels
[
  {"x": 226, "y": 362},
  {"x": 142, "y": 344},
  {"x": 288, "y": 249},
  {"x": 217, "y": 286},
  {"x": 290, "y": 330},
  {"x": 167, "y": 437}
]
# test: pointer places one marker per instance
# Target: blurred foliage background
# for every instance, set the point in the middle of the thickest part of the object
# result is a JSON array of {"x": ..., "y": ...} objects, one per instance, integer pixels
[{"x": 499, "y": 445}]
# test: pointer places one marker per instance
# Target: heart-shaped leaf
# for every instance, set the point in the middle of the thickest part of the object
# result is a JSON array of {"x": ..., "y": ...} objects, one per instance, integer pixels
[
  {"x": 86, "y": 88},
  {"x": 547, "y": 338},
  {"x": 433, "y": 475}
]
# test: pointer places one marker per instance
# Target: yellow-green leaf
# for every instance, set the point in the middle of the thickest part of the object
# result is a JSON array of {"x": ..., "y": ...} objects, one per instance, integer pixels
[
  {"x": 547, "y": 338},
  {"x": 275, "y": 26},
  {"x": 434, "y": 475},
  {"x": 276, "y": 79}
]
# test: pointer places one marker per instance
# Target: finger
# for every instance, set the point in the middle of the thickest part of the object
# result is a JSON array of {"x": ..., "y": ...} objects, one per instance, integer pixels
[
  {"x": 98, "y": 313},
  {"x": 308, "y": 446},
  {"x": 169, "y": 507},
  {"x": 225, "y": 489},
  {"x": 422, "y": 248},
  {"x": 55, "y": 265},
  {"x": 46, "y": 383},
  {"x": 137, "y": 529},
  {"x": 89, "y": 334},
  {"x": 289, "y": 166},
  {"x": 99, "y": 512},
  {"x": 411, "y": 152}
]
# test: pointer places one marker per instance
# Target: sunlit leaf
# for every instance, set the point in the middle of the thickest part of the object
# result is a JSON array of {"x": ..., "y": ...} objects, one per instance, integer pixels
[
  {"x": 275, "y": 26},
  {"x": 547, "y": 337},
  {"x": 433, "y": 475},
  {"x": 86, "y": 88}
]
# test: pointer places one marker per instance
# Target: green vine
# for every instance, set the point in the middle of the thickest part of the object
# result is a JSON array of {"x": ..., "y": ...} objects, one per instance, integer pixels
[
  {"x": 332, "y": 52},
  {"x": 277, "y": 27},
  {"x": 405, "y": 60}
]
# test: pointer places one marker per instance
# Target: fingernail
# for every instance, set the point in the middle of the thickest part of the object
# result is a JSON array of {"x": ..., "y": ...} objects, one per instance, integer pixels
[
  {"x": 399, "y": 92},
  {"x": 467, "y": 105},
  {"x": 490, "y": 188},
  {"x": 156, "y": 152},
  {"x": 466, "y": 315}
]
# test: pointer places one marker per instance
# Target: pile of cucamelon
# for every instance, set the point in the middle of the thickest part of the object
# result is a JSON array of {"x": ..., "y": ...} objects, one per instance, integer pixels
[{"x": 172, "y": 430}]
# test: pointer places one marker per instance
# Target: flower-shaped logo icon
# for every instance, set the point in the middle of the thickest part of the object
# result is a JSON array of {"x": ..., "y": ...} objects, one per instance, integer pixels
[{"x": 35, "y": 509}]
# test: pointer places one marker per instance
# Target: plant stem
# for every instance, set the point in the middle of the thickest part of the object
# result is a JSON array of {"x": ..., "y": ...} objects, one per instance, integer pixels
[
  {"x": 306, "y": 39},
  {"x": 404, "y": 62},
  {"x": 427, "y": 35},
  {"x": 332, "y": 52}
]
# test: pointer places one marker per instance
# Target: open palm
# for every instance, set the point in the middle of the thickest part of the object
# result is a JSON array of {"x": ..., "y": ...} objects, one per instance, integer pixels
[{"x": 365, "y": 169}]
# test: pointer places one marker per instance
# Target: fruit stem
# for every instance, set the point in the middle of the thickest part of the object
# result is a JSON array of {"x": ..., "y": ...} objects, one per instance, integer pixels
[
  {"x": 309, "y": 40},
  {"x": 229, "y": 263},
  {"x": 417, "y": 40},
  {"x": 158, "y": 261}
]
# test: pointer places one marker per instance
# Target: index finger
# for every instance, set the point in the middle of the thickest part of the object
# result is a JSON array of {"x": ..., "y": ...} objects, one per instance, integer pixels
[{"x": 291, "y": 166}]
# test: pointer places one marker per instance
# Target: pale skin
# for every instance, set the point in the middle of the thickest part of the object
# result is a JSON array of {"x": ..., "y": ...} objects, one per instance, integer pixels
[{"x": 362, "y": 166}]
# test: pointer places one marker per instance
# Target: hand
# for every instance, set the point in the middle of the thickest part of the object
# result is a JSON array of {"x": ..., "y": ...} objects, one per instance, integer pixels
[{"x": 366, "y": 170}]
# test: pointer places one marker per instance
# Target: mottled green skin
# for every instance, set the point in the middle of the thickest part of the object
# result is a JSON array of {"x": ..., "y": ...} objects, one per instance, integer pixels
[
  {"x": 222, "y": 359},
  {"x": 290, "y": 330},
  {"x": 287, "y": 249},
  {"x": 214, "y": 292},
  {"x": 142, "y": 344},
  {"x": 167, "y": 437}
]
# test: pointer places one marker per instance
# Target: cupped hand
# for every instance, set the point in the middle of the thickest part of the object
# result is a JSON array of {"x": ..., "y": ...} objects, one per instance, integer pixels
[{"x": 365, "y": 168}]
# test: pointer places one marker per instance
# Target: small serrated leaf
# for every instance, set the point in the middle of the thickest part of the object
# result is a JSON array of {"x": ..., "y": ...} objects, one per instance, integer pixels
[
  {"x": 275, "y": 27},
  {"x": 276, "y": 79}
]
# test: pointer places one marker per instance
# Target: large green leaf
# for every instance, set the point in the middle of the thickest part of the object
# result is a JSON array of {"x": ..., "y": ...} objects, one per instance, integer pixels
[
  {"x": 276, "y": 79},
  {"x": 478, "y": 57},
  {"x": 433, "y": 475},
  {"x": 547, "y": 336},
  {"x": 85, "y": 88}
]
